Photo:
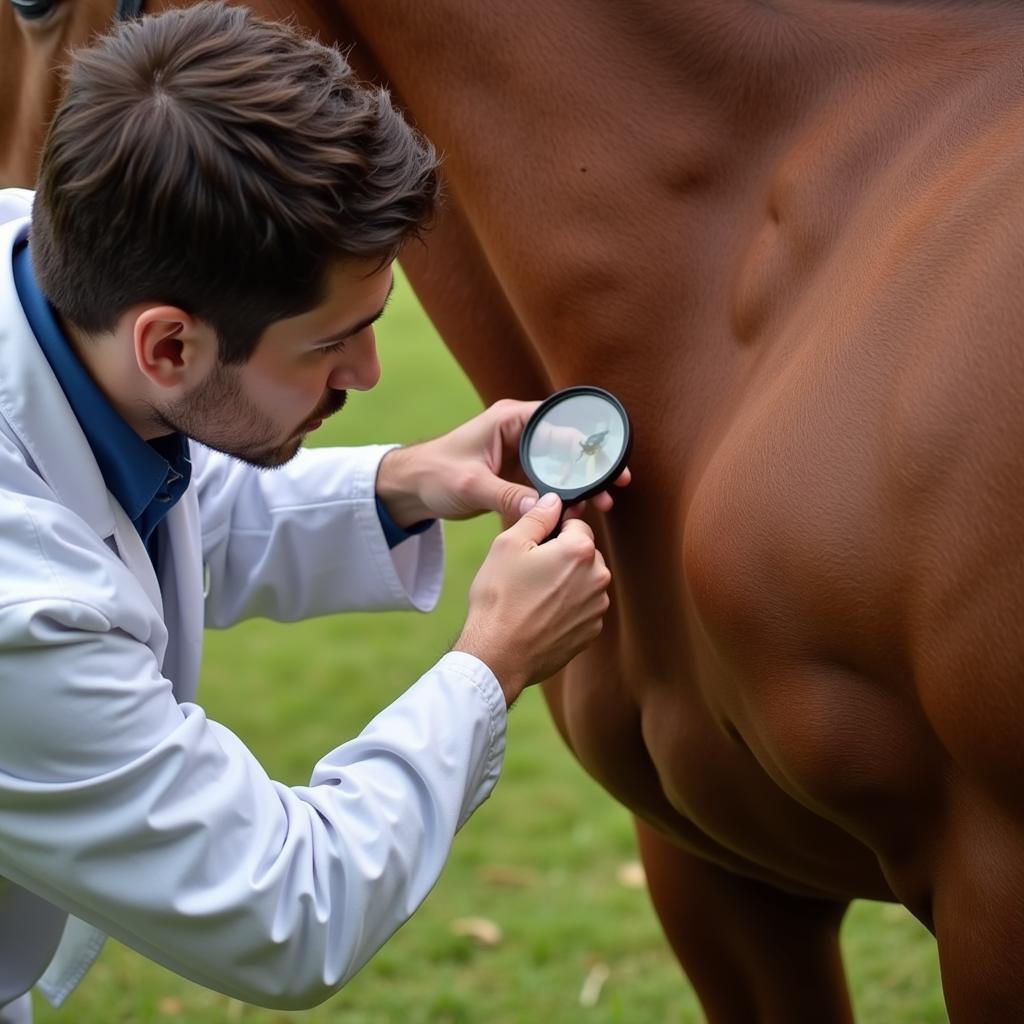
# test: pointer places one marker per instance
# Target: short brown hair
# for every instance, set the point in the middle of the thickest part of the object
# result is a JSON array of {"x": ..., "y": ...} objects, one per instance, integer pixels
[{"x": 209, "y": 159}]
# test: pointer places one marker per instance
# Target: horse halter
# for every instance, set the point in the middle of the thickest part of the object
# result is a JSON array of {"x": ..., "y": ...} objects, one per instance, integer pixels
[{"x": 33, "y": 10}]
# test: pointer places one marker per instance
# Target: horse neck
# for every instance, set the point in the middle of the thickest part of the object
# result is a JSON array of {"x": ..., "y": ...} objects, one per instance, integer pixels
[{"x": 705, "y": 67}]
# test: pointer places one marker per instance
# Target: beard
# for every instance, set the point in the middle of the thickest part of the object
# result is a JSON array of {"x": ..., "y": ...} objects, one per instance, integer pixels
[{"x": 218, "y": 415}]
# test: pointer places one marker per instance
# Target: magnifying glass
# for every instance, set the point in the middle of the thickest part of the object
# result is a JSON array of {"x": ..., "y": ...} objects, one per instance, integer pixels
[{"x": 576, "y": 443}]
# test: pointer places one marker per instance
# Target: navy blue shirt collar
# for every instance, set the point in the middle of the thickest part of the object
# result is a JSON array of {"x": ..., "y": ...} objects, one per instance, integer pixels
[{"x": 145, "y": 478}]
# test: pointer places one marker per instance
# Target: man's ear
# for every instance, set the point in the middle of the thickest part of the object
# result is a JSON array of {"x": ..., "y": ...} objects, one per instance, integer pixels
[{"x": 173, "y": 348}]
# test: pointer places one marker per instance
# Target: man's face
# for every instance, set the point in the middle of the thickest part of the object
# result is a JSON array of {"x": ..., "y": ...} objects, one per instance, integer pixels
[{"x": 260, "y": 411}]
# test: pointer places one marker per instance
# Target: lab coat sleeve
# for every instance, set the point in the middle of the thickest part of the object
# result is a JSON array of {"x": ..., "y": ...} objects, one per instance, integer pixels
[
  {"x": 158, "y": 826},
  {"x": 305, "y": 539}
]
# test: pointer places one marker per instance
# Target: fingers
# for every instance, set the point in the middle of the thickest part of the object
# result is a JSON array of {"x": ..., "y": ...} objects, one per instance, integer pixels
[
  {"x": 511, "y": 417},
  {"x": 578, "y": 538},
  {"x": 538, "y": 522},
  {"x": 501, "y": 425},
  {"x": 505, "y": 421},
  {"x": 575, "y": 511},
  {"x": 482, "y": 491},
  {"x": 512, "y": 410},
  {"x": 577, "y": 528},
  {"x": 578, "y": 532},
  {"x": 510, "y": 501},
  {"x": 602, "y": 502},
  {"x": 526, "y": 501}
]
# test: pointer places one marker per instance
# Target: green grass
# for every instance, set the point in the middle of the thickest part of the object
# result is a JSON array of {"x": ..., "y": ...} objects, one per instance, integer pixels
[{"x": 540, "y": 859}]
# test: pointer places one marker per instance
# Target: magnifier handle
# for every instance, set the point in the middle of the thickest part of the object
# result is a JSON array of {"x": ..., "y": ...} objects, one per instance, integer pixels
[
  {"x": 556, "y": 531},
  {"x": 558, "y": 526}
]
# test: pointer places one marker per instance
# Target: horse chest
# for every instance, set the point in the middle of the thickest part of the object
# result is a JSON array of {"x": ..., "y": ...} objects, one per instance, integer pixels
[{"x": 748, "y": 688}]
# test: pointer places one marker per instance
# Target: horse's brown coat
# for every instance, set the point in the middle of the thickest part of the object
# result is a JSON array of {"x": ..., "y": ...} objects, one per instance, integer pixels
[{"x": 790, "y": 237}]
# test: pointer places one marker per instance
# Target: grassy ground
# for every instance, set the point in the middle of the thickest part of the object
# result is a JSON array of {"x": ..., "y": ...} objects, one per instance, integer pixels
[{"x": 542, "y": 859}]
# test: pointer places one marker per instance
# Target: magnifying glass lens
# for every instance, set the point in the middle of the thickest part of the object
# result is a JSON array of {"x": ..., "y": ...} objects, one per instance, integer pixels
[{"x": 576, "y": 442}]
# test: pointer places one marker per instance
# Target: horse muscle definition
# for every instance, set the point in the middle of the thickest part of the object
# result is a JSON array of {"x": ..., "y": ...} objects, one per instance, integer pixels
[{"x": 789, "y": 236}]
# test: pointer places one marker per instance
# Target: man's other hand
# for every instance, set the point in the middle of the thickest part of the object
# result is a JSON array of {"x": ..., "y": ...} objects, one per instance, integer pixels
[
  {"x": 534, "y": 606},
  {"x": 469, "y": 470}
]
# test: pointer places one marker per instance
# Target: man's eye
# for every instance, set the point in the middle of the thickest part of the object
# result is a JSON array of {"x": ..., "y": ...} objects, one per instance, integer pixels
[{"x": 336, "y": 347}]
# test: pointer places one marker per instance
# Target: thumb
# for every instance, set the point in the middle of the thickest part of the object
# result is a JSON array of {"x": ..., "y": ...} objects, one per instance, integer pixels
[
  {"x": 515, "y": 500},
  {"x": 489, "y": 492},
  {"x": 539, "y": 522}
]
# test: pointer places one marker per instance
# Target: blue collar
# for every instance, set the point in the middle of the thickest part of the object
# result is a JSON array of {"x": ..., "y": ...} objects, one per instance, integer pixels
[{"x": 145, "y": 478}]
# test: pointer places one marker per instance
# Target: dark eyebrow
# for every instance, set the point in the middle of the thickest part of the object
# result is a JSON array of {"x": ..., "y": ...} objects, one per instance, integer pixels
[{"x": 361, "y": 326}]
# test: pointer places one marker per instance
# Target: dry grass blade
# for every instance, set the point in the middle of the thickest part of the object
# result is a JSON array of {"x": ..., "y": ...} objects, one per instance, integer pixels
[{"x": 487, "y": 933}]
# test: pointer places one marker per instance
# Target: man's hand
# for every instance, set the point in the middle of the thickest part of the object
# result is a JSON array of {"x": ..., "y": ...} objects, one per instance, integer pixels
[
  {"x": 466, "y": 471},
  {"x": 534, "y": 606}
]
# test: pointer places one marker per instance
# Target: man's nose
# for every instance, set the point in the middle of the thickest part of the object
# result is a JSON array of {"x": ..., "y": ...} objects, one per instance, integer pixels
[{"x": 359, "y": 368}]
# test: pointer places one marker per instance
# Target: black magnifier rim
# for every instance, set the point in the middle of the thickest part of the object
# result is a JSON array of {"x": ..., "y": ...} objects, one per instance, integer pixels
[{"x": 570, "y": 495}]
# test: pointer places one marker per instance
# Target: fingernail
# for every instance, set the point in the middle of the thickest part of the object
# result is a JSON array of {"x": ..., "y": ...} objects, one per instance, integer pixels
[
  {"x": 549, "y": 499},
  {"x": 526, "y": 504}
]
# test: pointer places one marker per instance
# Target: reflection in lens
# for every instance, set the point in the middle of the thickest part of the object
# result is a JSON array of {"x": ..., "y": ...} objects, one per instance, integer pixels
[{"x": 577, "y": 442}]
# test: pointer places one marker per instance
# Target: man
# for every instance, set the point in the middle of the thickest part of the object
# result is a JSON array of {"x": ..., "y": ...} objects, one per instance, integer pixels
[{"x": 218, "y": 210}]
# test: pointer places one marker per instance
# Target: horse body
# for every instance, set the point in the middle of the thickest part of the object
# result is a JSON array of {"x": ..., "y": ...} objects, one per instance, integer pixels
[{"x": 788, "y": 237}]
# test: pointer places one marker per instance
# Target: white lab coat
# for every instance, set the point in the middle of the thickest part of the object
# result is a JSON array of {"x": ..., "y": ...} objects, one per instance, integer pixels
[{"x": 120, "y": 802}]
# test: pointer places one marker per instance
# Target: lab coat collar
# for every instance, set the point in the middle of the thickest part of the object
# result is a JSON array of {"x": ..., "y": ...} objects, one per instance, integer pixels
[
  {"x": 34, "y": 405},
  {"x": 146, "y": 478}
]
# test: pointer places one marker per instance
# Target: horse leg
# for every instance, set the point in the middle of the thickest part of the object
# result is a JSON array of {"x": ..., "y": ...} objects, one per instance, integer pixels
[
  {"x": 754, "y": 954},
  {"x": 977, "y": 910}
]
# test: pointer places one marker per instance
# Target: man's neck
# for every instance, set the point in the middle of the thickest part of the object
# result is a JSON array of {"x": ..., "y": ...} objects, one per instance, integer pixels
[{"x": 109, "y": 361}]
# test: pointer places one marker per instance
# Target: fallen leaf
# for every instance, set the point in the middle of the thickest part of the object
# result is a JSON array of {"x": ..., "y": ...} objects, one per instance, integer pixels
[
  {"x": 590, "y": 993},
  {"x": 170, "y": 1007},
  {"x": 487, "y": 933}
]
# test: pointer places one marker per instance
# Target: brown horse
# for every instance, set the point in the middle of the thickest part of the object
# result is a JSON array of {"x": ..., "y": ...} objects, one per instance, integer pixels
[{"x": 790, "y": 236}]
